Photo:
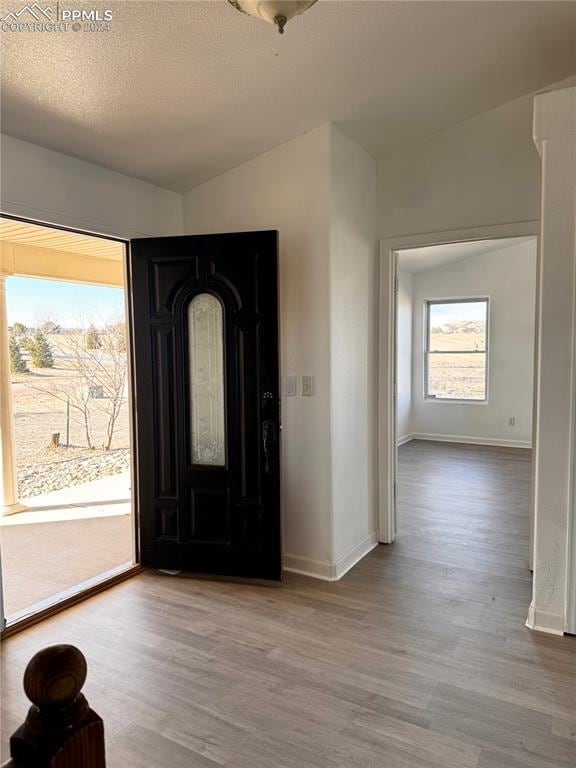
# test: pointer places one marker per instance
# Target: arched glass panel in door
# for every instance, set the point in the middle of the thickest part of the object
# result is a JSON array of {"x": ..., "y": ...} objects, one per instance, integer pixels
[{"x": 206, "y": 388}]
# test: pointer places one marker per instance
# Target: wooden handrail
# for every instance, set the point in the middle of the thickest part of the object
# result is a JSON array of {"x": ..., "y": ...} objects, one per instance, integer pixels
[{"x": 60, "y": 730}]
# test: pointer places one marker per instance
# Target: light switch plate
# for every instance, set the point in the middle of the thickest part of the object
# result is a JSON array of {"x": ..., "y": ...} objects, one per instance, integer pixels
[
  {"x": 307, "y": 386},
  {"x": 290, "y": 388}
]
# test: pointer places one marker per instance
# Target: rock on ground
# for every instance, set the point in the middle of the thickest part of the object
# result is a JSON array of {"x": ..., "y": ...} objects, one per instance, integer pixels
[{"x": 35, "y": 479}]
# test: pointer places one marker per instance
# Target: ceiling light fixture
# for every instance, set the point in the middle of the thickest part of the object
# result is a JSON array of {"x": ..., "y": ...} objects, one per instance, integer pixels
[{"x": 278, "y": 12}]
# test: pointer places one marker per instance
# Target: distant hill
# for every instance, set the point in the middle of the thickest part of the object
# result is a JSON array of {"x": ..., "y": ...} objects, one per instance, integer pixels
[{"x": 464, "y": 326}]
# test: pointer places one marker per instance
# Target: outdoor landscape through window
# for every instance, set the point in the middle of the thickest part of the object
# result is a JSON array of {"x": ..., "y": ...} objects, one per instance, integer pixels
[
  {"x": 68, "y": 350},
  {"x": 456, "y": 350}
]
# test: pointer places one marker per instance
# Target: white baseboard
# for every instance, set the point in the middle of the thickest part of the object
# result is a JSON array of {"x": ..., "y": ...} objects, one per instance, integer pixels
[
  {"x": 472, "y": 440},
  {"x": 317, "y": 569},
  {"x": 542, "y": 621},
  {"x": 404, "y": 439},
  {"x": 331, "y": 570},
  {"x": 355, "y": 554}
]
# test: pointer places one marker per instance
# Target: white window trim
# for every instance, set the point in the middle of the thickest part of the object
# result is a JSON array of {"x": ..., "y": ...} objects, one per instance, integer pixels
[{"x": 426, "y": 352}]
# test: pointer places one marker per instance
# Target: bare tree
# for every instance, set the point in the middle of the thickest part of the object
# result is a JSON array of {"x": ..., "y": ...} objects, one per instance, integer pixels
[
  {"x": 101, "y": 370},
  {"x": 76, "y": 396},
  {"x": 46, "y": 322},
  {"x": 98, "y": 380},
  {"x": 109, "y": 371}
]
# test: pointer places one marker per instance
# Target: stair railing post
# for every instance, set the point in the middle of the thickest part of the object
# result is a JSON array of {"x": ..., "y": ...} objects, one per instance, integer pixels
[{"x": 60, "y": 730}]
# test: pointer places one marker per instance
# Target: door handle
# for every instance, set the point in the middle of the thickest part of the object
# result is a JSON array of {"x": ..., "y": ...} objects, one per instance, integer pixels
[{"x": 269, "y": 443}]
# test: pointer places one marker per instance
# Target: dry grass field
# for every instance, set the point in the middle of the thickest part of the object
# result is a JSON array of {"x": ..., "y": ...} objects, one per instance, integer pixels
[
  {"x": 38, "y": 414},
  {"x": 40, "y": 410},
  {"x": 457, "y": 375}
]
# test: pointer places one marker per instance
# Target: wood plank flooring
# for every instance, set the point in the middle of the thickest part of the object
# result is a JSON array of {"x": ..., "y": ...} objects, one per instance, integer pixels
[{"x": 417, "y": 658}]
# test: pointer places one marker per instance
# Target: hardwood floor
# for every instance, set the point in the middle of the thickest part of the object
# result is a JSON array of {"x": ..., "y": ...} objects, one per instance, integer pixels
[{"x": 417, "y": 658}]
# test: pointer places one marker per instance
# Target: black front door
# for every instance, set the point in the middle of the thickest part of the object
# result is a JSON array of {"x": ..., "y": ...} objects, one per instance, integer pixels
[{"x": 205, "y": 341}]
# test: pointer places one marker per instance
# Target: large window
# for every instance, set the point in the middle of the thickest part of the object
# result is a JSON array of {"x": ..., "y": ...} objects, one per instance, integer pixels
[{"x": 456, "y": 350}]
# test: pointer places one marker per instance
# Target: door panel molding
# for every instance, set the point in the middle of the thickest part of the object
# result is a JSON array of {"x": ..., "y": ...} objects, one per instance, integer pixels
[{"x": 208, "y": 518}]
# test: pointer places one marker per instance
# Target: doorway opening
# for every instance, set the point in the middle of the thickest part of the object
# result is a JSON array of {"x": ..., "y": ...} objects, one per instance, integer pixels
[
  {"x": 67, "y": 522},
  {"x": 461, "y": 329}
]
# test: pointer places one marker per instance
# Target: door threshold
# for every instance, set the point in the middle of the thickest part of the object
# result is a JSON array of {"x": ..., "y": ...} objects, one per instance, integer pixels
[
  {"x": 17, "y": 622},
  {"x": 221, "y": 577}
]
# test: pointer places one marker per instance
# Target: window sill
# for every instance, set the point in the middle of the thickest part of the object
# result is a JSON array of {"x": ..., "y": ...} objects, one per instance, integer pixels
[{"x": 454, "y": 400}]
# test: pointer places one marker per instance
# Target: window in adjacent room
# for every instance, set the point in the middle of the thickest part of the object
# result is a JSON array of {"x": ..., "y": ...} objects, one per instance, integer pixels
[{"x": 456, "y": 350}]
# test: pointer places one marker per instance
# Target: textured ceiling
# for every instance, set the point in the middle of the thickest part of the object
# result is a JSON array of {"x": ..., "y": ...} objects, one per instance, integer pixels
[
  {"x": 420, "y": 259},
  {"x": 179, "y": 92}
]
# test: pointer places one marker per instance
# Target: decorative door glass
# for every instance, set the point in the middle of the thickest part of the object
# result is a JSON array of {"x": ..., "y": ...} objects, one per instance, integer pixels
[{"x": 206, "y": 356}]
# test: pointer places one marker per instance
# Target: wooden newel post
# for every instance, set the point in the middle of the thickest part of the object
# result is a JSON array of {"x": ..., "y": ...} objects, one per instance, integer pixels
[{"x": 60, "y": 730}]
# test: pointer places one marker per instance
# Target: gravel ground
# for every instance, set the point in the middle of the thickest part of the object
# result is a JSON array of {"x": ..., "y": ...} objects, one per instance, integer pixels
[{"x": 36, "y": 479}]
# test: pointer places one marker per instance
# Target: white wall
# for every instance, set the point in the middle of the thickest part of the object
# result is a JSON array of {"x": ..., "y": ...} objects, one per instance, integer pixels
[
  {"x": 319, "y": 192},
  {"x": 288, "y": 189},
  {"x": 482, "y": 171},
  {"x": 40, "y": 184},
  {"x": 404, "y": 321},
  {"x": 352, "y": 338},
  {"x": 507, "y": 276}
]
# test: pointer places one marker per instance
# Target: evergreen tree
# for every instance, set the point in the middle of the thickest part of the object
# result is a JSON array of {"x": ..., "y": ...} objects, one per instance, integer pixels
[
  {"x": 41, "y": 351},
  {"x": 17, "y": 362},
  {"x": 19, "y": 329},
  {"x": 92, "y": 338}
]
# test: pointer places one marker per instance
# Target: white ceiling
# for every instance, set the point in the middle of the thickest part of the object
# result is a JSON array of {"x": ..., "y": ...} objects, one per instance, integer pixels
[
  {"x": 179, "y": 92},
  {"x": 420, "y": 259}
]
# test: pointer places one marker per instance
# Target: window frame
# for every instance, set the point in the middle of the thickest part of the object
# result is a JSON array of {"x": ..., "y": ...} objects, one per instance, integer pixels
[{"x": 427, "y": 352}]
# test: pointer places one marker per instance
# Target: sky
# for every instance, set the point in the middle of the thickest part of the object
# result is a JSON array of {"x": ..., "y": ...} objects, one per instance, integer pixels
[
  {"x": 71, "y": 305},
  {"x": 440, "y": 314}
]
